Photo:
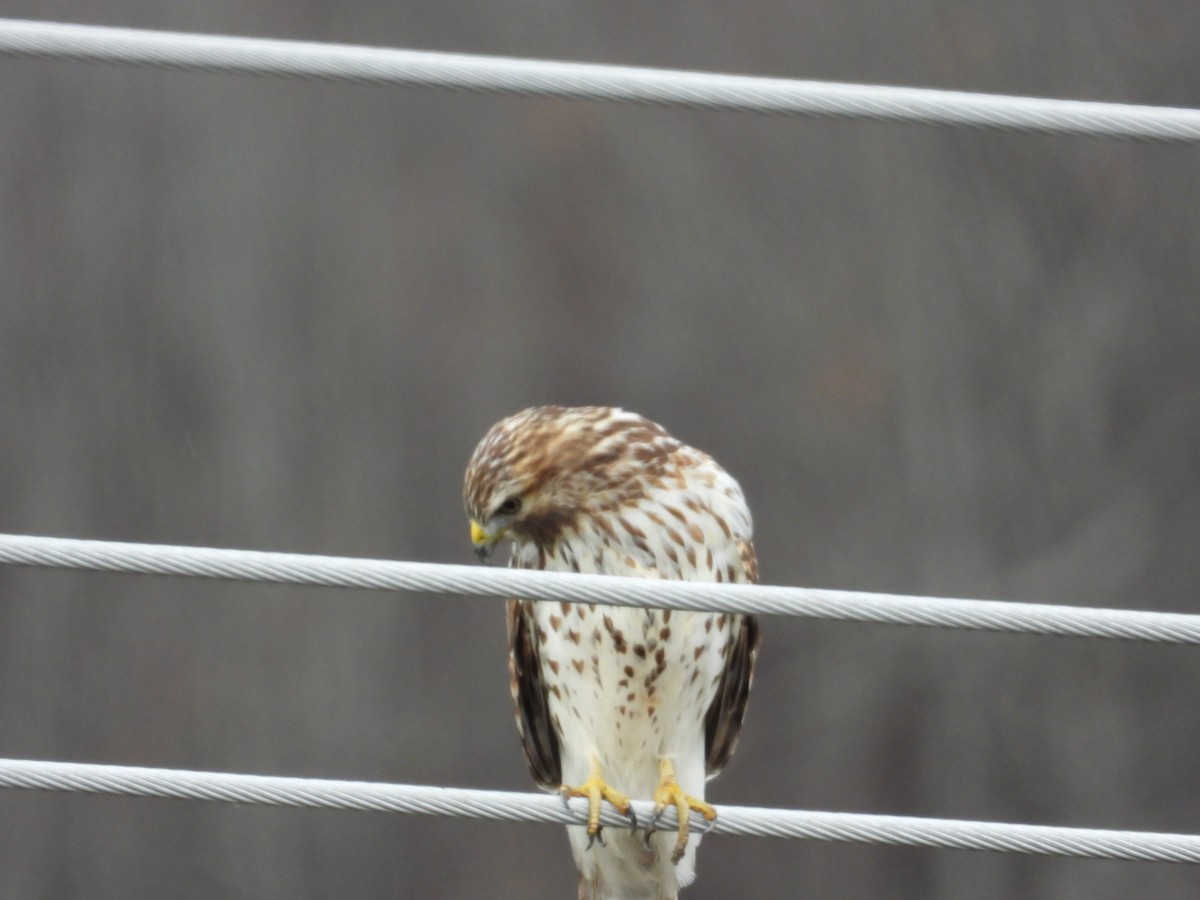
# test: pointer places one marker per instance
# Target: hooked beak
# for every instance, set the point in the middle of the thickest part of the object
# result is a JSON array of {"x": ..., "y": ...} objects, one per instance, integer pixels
[{"x": 483, "y": 540}]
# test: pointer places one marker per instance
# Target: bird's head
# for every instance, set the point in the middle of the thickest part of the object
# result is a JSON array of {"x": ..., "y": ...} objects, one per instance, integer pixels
[{"x": 535, "y": 473}]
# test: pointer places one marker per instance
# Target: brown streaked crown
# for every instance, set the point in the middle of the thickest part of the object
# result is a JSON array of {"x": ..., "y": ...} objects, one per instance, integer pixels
[{"x": 560, "y": 462}]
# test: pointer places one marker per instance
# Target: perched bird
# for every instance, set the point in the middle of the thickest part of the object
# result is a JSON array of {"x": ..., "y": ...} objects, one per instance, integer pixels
[{"x": 614, "y": 703}]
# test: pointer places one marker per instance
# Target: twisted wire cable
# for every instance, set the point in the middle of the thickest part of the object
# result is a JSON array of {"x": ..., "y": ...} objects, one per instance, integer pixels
[
  {"x": 492, "y": 74},
  {"x": 517, "y": 807},
  {"x": 331, "y": 571}
]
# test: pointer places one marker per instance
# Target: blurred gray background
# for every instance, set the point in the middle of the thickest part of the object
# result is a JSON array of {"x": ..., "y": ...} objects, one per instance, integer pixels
[{"x": 272, "y": 314}]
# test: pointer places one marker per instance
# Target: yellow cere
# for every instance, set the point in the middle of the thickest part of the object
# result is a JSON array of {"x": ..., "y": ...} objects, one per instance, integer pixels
[{"x": 478, "y": 535}]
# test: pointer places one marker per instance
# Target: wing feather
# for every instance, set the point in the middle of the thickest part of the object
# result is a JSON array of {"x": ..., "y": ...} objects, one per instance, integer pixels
[
  {"x": 723, "y": 721},
  {"x": 530, "y": 697}
]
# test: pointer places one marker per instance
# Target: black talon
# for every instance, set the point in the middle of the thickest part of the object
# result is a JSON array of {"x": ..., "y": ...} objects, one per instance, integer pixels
[{"x": 593, "y": 838}]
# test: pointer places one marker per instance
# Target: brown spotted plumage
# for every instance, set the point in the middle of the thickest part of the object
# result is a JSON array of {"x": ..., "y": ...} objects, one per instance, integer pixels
[{"x": 616, "y": 702}]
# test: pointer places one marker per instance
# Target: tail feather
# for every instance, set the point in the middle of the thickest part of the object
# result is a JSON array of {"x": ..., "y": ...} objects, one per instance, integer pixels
[{"x": 629, "y": 867}]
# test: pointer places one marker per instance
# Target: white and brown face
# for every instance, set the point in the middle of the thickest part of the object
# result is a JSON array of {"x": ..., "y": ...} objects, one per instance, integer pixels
[{"x": 534, "y": 474}]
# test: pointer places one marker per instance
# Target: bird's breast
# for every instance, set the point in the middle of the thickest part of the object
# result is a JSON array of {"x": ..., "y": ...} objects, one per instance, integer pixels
[{"x": 625, "y": 682}]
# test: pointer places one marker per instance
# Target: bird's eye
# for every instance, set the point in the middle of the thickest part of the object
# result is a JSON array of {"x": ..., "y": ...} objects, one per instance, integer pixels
[{"x": 510, "y": 507}]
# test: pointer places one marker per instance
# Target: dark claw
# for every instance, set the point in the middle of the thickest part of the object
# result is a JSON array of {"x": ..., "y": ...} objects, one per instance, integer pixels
[
  {"x": 593, "y": 838},
  {"x": 632, "y": 817},
  {"x": 650, "y": 832},
  {"x": 658, "y": 814}
]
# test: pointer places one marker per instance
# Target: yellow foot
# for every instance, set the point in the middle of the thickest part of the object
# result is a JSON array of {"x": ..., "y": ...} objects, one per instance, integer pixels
[
  {"x": 596, "y": 789},
  {"x": 669, "y": 793}
]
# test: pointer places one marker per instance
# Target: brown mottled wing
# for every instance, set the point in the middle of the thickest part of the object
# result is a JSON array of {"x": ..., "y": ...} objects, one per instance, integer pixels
[
  {"x": 530, "y": 699},
  {"x": 723, "y": 721}
]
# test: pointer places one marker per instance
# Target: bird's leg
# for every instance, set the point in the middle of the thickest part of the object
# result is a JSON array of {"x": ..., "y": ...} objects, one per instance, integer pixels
[
  {"x": 596, "y": 789},
  {"x": 669, "y": 793}
]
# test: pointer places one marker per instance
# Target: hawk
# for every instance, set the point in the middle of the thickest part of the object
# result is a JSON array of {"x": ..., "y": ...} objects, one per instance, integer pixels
[{"x": 614, "y": 703}]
